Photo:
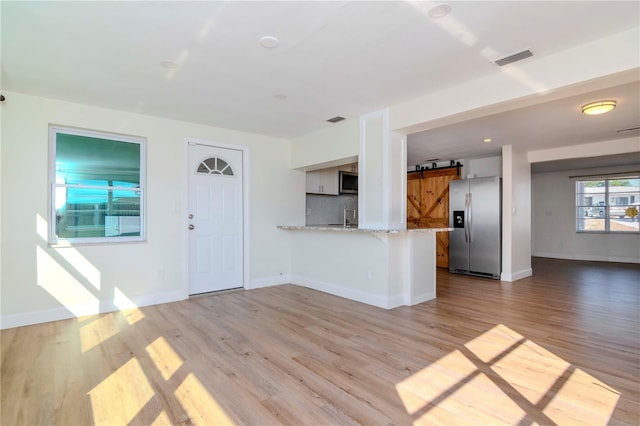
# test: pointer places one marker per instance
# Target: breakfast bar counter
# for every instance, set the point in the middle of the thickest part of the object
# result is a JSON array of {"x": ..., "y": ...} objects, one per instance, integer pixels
[{"x": 381, "y": 267}]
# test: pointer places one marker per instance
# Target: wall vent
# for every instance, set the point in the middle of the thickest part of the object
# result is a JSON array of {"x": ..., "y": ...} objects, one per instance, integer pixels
[
  {"x": 335, "y": 119},
  {"x": 514, "y": 58}
]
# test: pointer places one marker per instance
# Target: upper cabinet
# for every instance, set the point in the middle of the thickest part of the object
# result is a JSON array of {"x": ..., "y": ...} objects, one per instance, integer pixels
[
  {"x": 323, "y": 182},
  {"x": 327, "y": 181}
]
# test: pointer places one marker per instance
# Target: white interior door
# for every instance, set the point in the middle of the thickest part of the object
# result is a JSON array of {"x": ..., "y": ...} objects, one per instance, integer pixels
[{"x": 215, "y": 219}]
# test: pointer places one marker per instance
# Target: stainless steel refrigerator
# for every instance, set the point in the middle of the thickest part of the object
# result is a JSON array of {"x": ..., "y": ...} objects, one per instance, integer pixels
[{"x": 475, "y": 214}]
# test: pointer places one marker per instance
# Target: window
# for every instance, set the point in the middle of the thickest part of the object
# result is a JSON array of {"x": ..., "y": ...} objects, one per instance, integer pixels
[
  {"x": 215, "y": 166},
  {"x": 608, "y": 205},
  {"x": 97, "y": 187}
]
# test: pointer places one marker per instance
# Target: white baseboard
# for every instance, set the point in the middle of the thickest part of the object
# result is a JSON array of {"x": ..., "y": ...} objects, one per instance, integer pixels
[
  {"x": 269, "y": 281},
  {"x": 595, "y": 258},
  {"x": 347, "y": 293},
  {"x": 48, "y": 315},
  {"x": 422, "y": 298},
  {"x": 515, "y": 276},
  {"x": 395, "y": 301}
]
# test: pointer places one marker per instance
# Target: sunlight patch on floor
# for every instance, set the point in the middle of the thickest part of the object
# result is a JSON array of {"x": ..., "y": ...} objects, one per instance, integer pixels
[
  {"x": 97, "y": 331},
  {"x": 133, "y": 315},
  {"x": 198, "y": 403},
  {"x": 597, "y": 403},
  {"x": 167, "y": 361},
  {"x": 492, "y": 343},
  {"x": 128, "y": 388},
  {"x": 430, "y": 382},
  {"x": 531, "y": 383}
]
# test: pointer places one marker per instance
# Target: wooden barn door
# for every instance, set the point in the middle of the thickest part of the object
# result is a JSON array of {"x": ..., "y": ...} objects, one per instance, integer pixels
[{"x": 428, "y": 206}]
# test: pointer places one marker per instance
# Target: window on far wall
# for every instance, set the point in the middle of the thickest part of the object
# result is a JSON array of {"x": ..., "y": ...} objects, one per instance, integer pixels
[
  {"x": 608, "y": 205},
  {"x": 97, "y": 187}
]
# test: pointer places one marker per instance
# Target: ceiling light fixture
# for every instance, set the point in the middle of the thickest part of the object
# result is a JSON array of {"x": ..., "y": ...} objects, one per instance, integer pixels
[
  {"x": 269, "y": 42},
  {"x": 487, "y": 140},
  {"x": 439, "y": 11},
  {"x": 600, "y": 107}
]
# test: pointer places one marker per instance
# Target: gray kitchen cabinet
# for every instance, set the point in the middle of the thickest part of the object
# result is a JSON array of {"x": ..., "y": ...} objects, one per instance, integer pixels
[{"x": 325, "y": 181}]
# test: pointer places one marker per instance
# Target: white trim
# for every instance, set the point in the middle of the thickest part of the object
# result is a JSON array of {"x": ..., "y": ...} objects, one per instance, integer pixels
[
  {"x": 104, "y": 306},
  {"x": 246, "y": 210},
  {"x": 362, "y": 172},
  {"x": 403, "y": 183},
  {"x": 396, "y": 301},
  {"x": 269, "y": 281},
  {"x": 386, "y": 171},
  {"x": 515, "y": 276},
  {"x": 348, "y": 293},
  {"x": 424, "y": 297},
  {"x": 587, "y": 257}
]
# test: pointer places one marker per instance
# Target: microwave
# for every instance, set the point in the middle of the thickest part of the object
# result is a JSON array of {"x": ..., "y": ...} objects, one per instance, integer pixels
[{"x": 348, "y": 183}]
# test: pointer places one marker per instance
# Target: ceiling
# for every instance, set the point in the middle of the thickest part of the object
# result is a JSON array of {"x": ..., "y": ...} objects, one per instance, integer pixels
[
  {"x": 545, "y": 125},
  {"x": 334, "y": 58}
]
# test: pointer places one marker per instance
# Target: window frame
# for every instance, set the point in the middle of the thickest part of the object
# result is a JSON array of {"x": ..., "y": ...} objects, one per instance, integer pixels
[
  {"x": 53, "y": 238},
  {"x": 607, "y": 194}
]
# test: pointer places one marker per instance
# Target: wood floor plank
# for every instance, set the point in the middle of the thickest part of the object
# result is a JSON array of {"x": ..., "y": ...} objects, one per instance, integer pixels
[{"x": 560, "y": 347}]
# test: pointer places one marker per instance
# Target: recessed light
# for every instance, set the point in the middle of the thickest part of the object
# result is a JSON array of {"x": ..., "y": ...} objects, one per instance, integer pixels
[
  {"x": 170, "y": 65},
  {"x": 439, "y": 11},
  {"x": 280, "y": 97},
  {"x": 269, "y": 42},
  {"x": 487, "y": 140},
  {"x": 600, "y": 107}
]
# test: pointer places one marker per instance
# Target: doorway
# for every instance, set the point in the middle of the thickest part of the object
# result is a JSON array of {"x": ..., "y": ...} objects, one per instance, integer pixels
[{"x": 215, "y": 218}]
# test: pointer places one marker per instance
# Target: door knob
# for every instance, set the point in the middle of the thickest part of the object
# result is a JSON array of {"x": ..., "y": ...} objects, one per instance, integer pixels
[{"x": 191, "y": 227}]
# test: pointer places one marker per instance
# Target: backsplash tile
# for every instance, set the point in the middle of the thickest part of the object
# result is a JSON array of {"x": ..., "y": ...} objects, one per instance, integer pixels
[{"x": 326, "y": 209}]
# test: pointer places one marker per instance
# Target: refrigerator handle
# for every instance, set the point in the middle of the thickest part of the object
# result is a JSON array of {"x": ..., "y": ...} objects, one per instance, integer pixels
[
  {"x": 466, "y": 214},
  {"x": 470, "y": 213}
]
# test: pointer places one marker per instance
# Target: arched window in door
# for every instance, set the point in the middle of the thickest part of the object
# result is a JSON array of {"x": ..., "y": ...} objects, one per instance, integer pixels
[{"x": 215, "y": 166}]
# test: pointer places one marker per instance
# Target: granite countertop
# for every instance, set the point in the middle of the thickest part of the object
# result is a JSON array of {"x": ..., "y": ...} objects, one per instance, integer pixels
[{"x": 340, "y": 228}]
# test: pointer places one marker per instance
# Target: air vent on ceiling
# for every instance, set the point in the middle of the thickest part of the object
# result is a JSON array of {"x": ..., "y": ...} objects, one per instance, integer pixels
[
  {"x": 335, "y": 119},
  {"x": 514, "y": 58}
]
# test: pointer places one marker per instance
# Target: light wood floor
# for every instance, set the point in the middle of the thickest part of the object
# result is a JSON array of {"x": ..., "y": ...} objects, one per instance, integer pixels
[{"x": 562, "y": 347}]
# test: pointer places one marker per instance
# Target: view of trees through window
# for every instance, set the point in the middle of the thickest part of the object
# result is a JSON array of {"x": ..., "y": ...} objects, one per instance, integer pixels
[{"x": 608, "y": 205}]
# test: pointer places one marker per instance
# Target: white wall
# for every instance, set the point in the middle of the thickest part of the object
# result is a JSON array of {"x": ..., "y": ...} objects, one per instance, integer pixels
[
  {"x": 42, "y": 282},
  {"x": 351, "y": 265},
  {"x": 516, "y": 214},
  {"x": 482, "y": 167},
  {"x": 334, "y": 145},
  {"x": 596, "y": 149},
  {"x": 554, "y": 222}
]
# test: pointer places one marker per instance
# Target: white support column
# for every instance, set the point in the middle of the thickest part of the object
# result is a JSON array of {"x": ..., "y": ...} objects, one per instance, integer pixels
[
  {"x": 516, "y": 215},
  {"x": 382, "y": 174}
]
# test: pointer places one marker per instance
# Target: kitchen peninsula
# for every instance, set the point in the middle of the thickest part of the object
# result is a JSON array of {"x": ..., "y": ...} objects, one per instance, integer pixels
[{"x": 381, "y": 267}]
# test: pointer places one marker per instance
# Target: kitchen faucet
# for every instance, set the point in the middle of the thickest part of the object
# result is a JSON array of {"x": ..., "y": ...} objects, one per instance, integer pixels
[{"x": 345, "y": 222}]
